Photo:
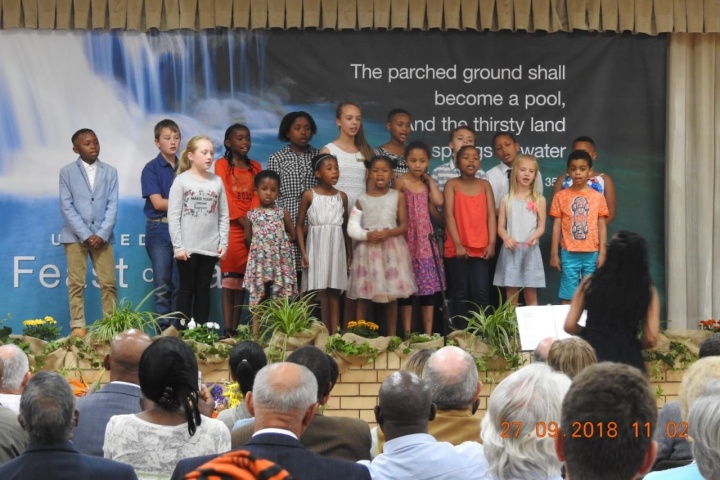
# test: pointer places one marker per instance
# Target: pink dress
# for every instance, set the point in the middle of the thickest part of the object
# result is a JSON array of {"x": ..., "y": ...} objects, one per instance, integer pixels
[
  {"x": 381, "y": 272},
  {"x": 417, "y": 237}
]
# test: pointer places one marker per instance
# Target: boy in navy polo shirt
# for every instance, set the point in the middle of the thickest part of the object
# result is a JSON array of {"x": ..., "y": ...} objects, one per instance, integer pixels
[{"x": 156, "y": 179}]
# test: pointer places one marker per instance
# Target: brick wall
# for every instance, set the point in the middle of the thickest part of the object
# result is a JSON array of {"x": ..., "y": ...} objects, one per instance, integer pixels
[
  {"x": 355, "y": 395},
  {"x": 356, "y": 392}
]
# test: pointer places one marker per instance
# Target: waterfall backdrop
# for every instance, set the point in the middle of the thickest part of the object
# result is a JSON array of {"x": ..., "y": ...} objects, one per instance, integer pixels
[{"x": 546, "y": 89}]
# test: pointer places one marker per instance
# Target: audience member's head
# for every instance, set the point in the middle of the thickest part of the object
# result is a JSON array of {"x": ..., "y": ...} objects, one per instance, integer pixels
[
  {"x": 527, "y": 398},
  {"x": 417, "y": 361},
  {"x": 316, "y": 361},
  {"x": 571, "y": 355},
  {"x": 694, "y": 381},
  {"x": 404, "y": 405},
  {"x": 452, "y": 376},
  {"x": 710, "y": 347},
  {"x": 169, "y": 378},
  {"x": 126, "y": 349},
  {"x": 47, "y": 409},
  {"x": 284, "y": 396},
  {"x": 246, "y": 359},
  {"x": 16, "y": 369},
  {"x": 704, "y": 426},
  {"x": 619, "y": 399},
  {"x": 543, "y": 349}
]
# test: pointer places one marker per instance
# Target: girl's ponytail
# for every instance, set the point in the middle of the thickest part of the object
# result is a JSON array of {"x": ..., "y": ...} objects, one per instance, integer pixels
[{"x": 184, "y": 162}]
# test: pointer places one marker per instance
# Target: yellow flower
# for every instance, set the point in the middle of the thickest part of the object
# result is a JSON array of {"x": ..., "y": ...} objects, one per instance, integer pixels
[
  {"x": 372, "y": 326},
  {"x": 352, "y": 324},
  {"x": 27, "y": 323},
  {"x": 50, "y": 320},
  {"x": 361, "y": 322}
]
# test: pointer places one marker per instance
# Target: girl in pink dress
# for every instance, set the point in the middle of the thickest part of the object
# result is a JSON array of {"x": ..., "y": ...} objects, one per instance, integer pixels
[
  {"x": 381, "y": 270},
  {"x": 423, "y": 198}
]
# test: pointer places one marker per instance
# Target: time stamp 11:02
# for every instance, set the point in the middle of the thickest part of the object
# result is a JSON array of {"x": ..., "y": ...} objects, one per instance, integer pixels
[{"x": 591, "y": 430}]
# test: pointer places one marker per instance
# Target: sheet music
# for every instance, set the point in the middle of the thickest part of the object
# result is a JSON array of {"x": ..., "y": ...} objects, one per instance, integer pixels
[{"x": 539, "y": 322}]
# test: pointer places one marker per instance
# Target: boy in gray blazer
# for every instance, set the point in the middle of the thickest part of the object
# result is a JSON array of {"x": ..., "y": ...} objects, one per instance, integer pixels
[{"x": 88, "y": 204}]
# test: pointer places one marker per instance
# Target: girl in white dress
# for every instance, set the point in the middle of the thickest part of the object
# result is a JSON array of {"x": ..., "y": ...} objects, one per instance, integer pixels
[
  {"x": 351, "y": 149},
  {"x": 324, "y": 254}
]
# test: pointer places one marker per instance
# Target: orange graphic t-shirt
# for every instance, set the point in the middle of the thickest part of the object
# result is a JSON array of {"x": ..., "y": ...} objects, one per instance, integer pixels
[{"x": 579, "y": 212}]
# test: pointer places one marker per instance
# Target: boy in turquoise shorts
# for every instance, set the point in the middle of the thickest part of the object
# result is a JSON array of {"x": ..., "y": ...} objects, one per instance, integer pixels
[{"x": 579, "y": 228}]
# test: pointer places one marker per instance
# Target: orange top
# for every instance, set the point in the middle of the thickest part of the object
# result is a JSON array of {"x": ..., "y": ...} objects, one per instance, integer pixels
[
  {"x": 239, "y": 187},
  {"x": 471, "y": 218},
  {"x": 240, "y": 192},
  {"x": 579, "y": 212}
]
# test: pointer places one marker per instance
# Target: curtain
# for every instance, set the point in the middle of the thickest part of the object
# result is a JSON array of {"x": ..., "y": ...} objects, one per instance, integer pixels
[
  {"x": 639, "y": 16},
  {"x": 693, "y": 180}
]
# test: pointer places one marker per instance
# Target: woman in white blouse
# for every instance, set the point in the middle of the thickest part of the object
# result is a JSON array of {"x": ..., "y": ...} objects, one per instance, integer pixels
[{"x": 171, "y": 428}]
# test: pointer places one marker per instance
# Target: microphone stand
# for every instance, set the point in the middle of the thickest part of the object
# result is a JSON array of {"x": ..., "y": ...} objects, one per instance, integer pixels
[{"x": 447, "y": 321}]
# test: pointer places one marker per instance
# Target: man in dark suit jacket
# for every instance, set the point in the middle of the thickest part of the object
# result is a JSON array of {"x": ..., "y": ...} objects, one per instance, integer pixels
[
  {"x": 335, "y": 437},
  {"x": 284, "y": 401},
  {"x": 119, "y": 397},
  {"x": 48, "y": 415}
]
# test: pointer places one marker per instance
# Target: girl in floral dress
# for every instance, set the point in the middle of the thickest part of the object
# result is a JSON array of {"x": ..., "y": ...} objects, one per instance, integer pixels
[
  {"x": 423, "y": 199},
  {"x": 381, "y": 270},
  {"x": 271, "y": 267}
]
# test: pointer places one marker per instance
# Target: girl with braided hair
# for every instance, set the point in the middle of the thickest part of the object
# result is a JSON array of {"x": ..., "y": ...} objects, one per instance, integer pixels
[
  {"x": 237, "y": 172},
  {"x": 623, "y": 309},
  {"x": 171, "y": 428}
]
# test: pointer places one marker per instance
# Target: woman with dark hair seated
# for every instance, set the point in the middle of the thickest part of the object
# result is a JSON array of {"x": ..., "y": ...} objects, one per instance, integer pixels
[
  {"x": 246, "y": 359},
  {"x": 623, "y": 310},
  {"x": 171, "y": 428}
]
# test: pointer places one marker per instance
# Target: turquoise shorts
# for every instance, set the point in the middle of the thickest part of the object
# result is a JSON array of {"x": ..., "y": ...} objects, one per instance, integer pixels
[{"x": 575, "y": 265}]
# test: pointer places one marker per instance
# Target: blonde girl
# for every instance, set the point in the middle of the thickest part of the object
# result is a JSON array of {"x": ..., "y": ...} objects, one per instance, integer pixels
[
  {"x": 521, "y": 223},
  {"x": 198, "y": 221}
]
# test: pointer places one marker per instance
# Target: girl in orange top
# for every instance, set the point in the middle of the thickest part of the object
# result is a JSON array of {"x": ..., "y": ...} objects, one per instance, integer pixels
[
  {"x": 470, "y": 233},
  {"x": 238, "y": 173}
]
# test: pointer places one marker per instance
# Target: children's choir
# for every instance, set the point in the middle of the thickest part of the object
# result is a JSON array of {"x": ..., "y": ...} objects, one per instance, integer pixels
[{"x": 351, "y": 219}]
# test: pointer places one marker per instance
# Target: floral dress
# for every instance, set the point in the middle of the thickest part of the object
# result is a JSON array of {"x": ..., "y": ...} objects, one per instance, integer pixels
[
  {"x": 381, "y": 272},
  {"x": 418, "y": 241},
  {"x": 270, "y": 259}
]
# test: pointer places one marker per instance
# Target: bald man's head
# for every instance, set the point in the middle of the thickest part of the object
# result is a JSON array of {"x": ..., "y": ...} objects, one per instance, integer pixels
[
  {"x": 124, "y": 357},
  {"x": 543, "y": 349},
  {"x": 452, "y": 376}
]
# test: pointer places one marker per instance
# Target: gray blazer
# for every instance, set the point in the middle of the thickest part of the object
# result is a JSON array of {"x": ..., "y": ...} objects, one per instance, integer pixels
[
  {"x": 96, "y": 410},
  {"x": 86, "y": 211}
]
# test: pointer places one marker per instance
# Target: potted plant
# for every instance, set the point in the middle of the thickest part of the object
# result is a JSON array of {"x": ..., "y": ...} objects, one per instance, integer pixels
[
  {"x": 497, "y": 328},
  {"x": 288, "y": 322},
  {"x": 125, "y": 317}
]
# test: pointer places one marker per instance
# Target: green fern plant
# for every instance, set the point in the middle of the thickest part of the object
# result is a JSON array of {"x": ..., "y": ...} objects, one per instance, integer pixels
[
  {"x": 124, "y": 317},
  {"x": 498, "y": 328},
  {"x": 285, "y": 315}
]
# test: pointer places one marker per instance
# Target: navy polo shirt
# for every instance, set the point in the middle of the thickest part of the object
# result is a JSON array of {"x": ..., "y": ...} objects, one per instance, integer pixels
[{"x": 157, "y": 177}]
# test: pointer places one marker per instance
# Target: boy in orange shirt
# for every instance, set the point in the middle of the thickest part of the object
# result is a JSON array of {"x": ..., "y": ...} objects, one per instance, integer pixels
[{"x": 579, "y": 228}]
